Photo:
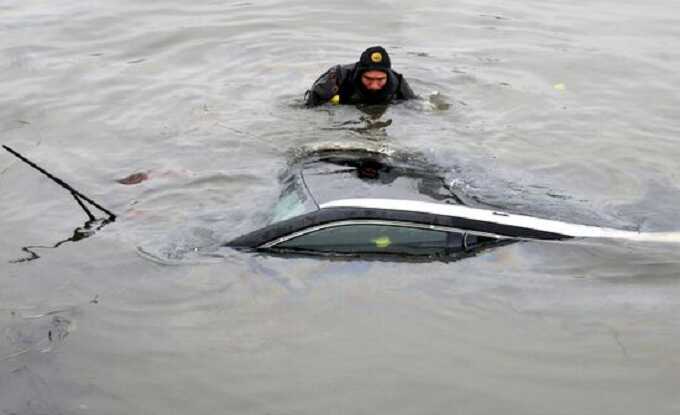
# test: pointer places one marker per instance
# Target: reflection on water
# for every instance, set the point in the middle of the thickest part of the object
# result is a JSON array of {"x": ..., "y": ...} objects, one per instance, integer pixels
[{"x": 88, "y": 229}]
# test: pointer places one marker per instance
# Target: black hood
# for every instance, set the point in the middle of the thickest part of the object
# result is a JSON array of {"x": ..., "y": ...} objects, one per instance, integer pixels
[{"x": 374, "y": 58}]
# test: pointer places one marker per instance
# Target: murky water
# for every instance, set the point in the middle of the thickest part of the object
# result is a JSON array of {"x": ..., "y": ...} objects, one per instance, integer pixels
[{"x": 561, "y": 109}]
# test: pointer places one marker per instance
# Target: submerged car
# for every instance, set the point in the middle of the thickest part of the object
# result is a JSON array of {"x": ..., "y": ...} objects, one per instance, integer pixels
[
  {"x": 371, "y": 204},
  {"x": 362, "y": 203}
]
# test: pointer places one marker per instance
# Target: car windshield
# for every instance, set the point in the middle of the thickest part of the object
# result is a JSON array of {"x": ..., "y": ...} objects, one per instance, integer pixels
[{"x": 293, "y": 201}]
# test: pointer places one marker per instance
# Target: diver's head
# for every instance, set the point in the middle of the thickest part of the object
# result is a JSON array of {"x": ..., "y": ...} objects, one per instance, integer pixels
[
  {"x": 372, "y": 68},
  {"x": 372, "y": 73}
]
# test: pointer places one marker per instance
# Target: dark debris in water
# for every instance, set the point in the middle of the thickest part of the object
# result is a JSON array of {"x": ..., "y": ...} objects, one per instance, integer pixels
[
  {"x": 134, "y": 178},
  {"x": 419, "y": 54},
  {"x": 558, "y": 196},
  {"x": 494, "y": 16},
  {"x": 59, "y": 330},
  {"x": 366, "y": 123}
]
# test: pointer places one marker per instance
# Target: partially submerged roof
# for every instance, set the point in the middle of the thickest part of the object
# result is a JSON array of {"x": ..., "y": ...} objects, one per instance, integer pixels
[
  {"x": 330, "y": 175},
  {"x": 491, "y": 221}
]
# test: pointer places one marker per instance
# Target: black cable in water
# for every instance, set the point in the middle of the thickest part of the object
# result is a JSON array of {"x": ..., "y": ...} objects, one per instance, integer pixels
[
  {"x": 82, "y": 205},
  {"x": 76, "y": 194}
]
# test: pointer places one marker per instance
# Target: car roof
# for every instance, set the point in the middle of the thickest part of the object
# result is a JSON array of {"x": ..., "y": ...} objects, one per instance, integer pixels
[
  {"x": 401, "y": 189},
  {"x": 345, "y": 187},
  {"x": 480, "y": 215},
  {"x": 330, "y": 175}
]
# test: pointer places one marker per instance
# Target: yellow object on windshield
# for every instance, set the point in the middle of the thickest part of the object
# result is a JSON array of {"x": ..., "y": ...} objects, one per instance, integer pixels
[{"x": 382, "y": 242}]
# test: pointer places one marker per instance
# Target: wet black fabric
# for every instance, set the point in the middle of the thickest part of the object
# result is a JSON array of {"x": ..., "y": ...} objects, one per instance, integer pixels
[
  {"x": 345, "y": 81},
  {"x": 374, "y": 58}
]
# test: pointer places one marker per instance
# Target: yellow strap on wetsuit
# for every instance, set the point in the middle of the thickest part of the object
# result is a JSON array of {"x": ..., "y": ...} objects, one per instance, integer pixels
[{"x": 335, "y": 100}]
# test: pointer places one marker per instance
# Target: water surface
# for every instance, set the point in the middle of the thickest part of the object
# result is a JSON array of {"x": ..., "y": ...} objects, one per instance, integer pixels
[{"x": 565, "y": 110}]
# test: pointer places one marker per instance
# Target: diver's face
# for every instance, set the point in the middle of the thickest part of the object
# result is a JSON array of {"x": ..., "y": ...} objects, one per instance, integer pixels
[{"x": 374, "y": 80}]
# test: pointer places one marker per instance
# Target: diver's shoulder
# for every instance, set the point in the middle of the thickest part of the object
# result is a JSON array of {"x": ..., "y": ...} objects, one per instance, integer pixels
[
  {"x": 341, "y": 72},
  {"x": 346, "y": 68},
  {"x": 342, "y": 67}
]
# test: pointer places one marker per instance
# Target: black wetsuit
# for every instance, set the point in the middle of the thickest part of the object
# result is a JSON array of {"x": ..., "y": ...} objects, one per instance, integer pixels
[{"x": 345, "y": 81}]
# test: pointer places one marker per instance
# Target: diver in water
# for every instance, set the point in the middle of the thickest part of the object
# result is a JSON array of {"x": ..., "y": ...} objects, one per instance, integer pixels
[{"x": 370, "y": 81}]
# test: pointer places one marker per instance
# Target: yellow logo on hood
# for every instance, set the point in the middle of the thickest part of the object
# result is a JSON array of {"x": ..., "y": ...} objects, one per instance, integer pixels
[{"x": 376, "y": 57}]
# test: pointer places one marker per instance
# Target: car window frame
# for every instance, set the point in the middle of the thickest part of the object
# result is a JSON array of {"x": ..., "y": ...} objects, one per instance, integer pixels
[{"x": 273, "y": 243}]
